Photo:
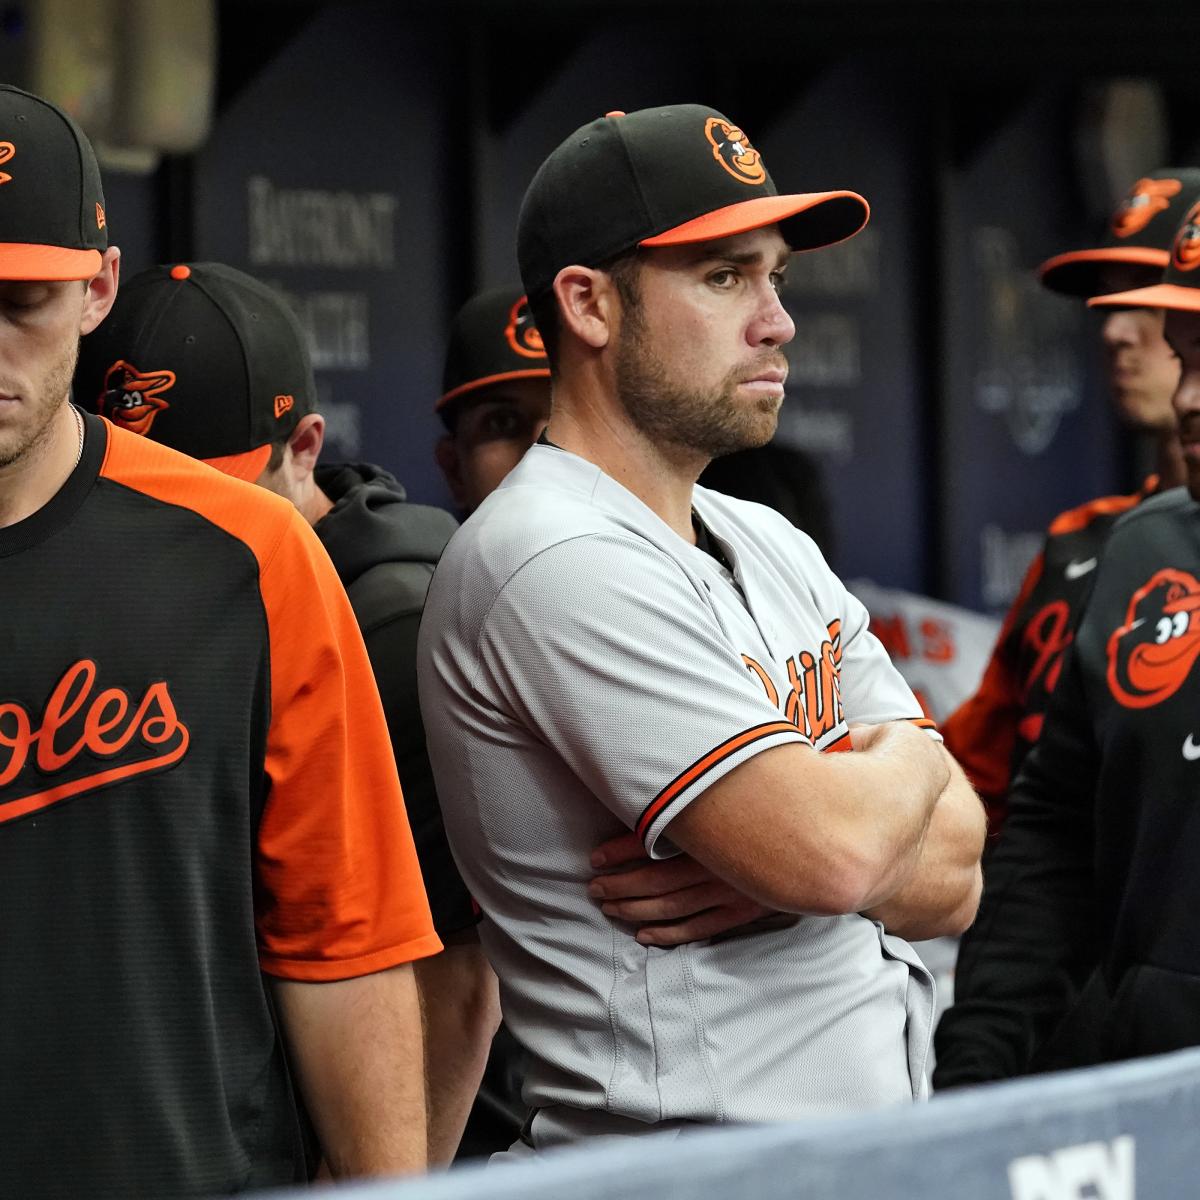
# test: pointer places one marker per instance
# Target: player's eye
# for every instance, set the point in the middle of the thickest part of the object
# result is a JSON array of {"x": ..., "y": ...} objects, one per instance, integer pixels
[
  {"x": 501, "y": 423},
  {"x": 778, "y": 281},
  {"x": 725, "y": 277}
]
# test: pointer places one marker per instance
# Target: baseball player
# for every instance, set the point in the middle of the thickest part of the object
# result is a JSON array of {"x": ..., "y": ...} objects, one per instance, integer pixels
[
  {"x": 993, "y": 731},
  {"x": 495, "y": 393},
  {"x": 207, "y": 360},
  {"x": 1093, "y": 879},
  {"x": 608, "y": 647},
  {"x": 210, "y": 894}
]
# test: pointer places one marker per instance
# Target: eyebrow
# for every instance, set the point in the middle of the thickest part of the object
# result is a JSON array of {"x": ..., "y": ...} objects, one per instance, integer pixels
[{"x": 712, "y": 252}]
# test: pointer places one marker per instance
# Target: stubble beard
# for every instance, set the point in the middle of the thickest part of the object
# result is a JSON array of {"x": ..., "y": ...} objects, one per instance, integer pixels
[
  {"x": 699, "y": 422},
  {"x": 49, "y": 393}
]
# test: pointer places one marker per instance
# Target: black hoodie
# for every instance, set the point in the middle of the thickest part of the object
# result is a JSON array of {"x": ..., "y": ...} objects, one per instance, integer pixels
[{"x": 384, "y": 550}]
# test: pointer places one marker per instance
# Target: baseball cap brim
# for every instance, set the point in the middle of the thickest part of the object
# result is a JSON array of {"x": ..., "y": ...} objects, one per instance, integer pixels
[
  {"x": 488, "y": 380},
  {"x": 248, "y": 466},
  {"x": 1076, "y": 272},
  {"x": 1161, "y": 295},
  {"x": 24, "y": 261},
  {"x": 812, "y": 219}
]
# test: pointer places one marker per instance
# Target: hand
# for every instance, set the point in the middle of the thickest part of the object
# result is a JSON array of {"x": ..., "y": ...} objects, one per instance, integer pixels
[{"x": 674, "y": 901}]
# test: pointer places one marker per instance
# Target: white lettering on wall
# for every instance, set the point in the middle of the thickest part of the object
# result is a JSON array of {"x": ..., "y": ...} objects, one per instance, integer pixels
[{"x": 308, "y": 227}]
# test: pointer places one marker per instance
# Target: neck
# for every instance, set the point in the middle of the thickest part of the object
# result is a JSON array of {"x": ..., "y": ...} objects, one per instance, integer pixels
[
  {"x": 33, "y": 479},
  {"x": 588, "y": 420},
  {"x": 1168, "y": 460},
  {"x": 314, "y": 504}
]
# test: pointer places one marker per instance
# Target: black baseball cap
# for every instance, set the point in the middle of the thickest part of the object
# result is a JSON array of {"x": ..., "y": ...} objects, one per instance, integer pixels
[
  {"x": 1180, "y": 286},
  {"x": 662, "y": 177},
  {"x": 492, "y": 340},
  {"x": 1139, "y": 234},
  {"x": 202, "y": 358},
  {"x": 52, "y": 223}
]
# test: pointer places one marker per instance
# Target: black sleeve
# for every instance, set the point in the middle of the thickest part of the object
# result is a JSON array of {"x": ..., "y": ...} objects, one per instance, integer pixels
[
  {"x": 392, "y": 647},
  {"x": 1023, "y": 965}
]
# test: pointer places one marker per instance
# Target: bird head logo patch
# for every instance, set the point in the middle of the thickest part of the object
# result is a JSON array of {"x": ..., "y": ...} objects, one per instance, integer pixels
[
  {"x": 131, "y": 398},
  {"x": 1185, "y": 254},
  {"x": 521, "y": 332},
  {"x": 7, "y": 150},
  {"x": 732, "y": 149},
  {"x": 1153, "y": 652},
  {"x": 1145, "y": 201}
]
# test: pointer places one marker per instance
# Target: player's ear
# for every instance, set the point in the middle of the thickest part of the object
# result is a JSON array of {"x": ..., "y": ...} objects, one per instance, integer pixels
[
  {"x": 446, "y": 454},
  {"x": 100, "y": 291},
  {"x": 588, "y": 305},
  {"x": 306, "y": 441}
]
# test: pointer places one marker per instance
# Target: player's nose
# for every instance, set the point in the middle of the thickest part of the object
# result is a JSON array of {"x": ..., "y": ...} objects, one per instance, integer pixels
[
  {"x": 1119, "y": 328},
  {"x": 1186, "y": 399},
  {"x": 772, "y": 325}
]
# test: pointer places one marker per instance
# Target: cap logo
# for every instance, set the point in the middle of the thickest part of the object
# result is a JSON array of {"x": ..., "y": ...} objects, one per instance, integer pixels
[
  {"x": 99, "y": 217},
  {"x": 732, "y": 149},
  {"x": 131, "y": 398},
  {"x": 7, "y": 150},
  {"x": 284, "y": 404},
  {"x": 1185, "y": 254},
  {"x": 1148, "y": 198},
  {"x": 522, "y": 333}
]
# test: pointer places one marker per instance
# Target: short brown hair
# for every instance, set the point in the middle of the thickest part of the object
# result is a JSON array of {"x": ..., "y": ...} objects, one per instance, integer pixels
[{"x": 622, "y": 268}]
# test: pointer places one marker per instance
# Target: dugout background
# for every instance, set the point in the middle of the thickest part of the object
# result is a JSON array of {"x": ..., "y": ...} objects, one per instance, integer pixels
[{"x": 369, "y": 158}]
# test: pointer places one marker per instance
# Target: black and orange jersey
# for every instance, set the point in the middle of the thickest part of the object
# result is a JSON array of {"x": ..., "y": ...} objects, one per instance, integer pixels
[
  {"x": 1085, "y": 947},
  {"x": 991, "y": 733},
  {"x": 187, "y": 800}
]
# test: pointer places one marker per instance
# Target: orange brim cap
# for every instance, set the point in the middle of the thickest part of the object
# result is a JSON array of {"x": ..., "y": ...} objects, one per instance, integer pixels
[
  {"x": 22, "y": 260},
  {"x": 248, "y": 466},
  {"x": 1077, "y": 273},
  {"x": 828, "y": 218},
  {"x": 1161, "y": 295},
  {"x": 474, "y": 385}
]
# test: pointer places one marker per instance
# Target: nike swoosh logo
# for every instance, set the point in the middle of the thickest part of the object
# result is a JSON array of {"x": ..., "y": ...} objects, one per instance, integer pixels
[
  {"x": 1190, "y": 750},
  {"x": 1077, "y": 569}
]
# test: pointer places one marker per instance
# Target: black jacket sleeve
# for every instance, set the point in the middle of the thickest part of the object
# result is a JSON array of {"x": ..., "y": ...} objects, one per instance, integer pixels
[
  {"x": 388, "y": 601},
  {"x": 1019, "y": 983}
]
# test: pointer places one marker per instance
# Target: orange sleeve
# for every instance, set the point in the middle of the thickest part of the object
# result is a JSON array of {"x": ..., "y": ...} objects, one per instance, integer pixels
[
  {"x": 340, "y": 890},
  {"x": 982, "y": 732}
]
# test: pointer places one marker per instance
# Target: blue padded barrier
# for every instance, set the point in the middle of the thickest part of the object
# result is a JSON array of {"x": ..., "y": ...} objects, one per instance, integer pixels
[{"x": 1110, "y": 1133}]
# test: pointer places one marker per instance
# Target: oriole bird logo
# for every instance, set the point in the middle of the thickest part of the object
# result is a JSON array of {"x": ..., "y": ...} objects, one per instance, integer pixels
[
  {"x": 132, "y": 398},
  {"x": 1152, "y": 653}
]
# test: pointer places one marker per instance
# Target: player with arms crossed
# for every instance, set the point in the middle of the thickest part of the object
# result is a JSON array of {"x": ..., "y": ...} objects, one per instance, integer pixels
[{"x": 607, "y": 647}]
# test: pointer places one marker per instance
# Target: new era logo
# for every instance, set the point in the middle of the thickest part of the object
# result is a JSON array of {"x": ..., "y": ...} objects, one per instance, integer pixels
[{"x": 284, "y": 404}]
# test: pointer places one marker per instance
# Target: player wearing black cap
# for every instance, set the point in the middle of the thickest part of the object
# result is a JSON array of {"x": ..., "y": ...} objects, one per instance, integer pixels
[
  {"x": 994, "y": 731},
  {"x": 209, "y": 361},
  {"x": 1092, "y": 890},
  {"x": 608, "y": 648},
  {"x": 208, "y": 886}
]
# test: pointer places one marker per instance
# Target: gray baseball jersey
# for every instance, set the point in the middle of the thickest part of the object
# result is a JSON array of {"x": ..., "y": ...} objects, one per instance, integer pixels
[{"x": 584, "y": 671}]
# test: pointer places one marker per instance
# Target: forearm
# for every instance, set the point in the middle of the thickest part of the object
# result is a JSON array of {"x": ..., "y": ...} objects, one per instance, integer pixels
[
  {"x": 356, "y": 1050},
  {"x": 800, "y": 831},
  {"x": 942, "y": 894},
  {"x": 460, "y": 1012}
]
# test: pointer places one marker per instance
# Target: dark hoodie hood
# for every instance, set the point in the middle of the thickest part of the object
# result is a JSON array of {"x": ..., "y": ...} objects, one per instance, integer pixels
[{"x": 371, "y": 522}]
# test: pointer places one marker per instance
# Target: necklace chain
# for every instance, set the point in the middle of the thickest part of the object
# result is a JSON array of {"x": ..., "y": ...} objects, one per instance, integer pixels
[{"x": 78, "y": 421}]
